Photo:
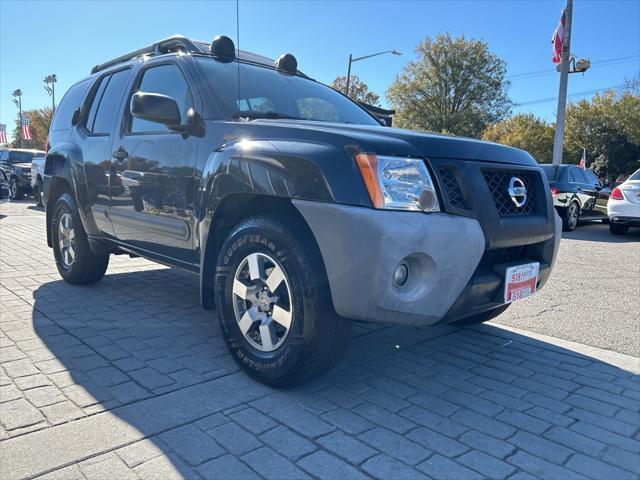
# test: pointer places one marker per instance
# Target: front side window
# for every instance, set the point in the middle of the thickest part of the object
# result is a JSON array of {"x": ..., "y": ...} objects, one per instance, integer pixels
[
  {"x": 166, "y": 80},
  {"x": 575, "y": 175},
  {"x": 591, "y": 178},
  {"x": 281, "y": 95}
]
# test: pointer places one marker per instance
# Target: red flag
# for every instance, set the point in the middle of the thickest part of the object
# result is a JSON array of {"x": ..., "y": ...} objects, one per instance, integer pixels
[
  {"x": 558, "y": 40},
  {"x": 583, "y": 160},
  {"x": 26, "y": 133}
]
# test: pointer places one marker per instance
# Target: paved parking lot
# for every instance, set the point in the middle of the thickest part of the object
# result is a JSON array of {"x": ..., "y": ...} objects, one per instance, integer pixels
[{"x": 112, "y": 381}]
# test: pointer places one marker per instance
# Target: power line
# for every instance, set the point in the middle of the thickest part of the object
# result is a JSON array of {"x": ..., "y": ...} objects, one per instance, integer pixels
[
  {"x": 577, "y": 94},
  {"x": 600, "y": 63}
]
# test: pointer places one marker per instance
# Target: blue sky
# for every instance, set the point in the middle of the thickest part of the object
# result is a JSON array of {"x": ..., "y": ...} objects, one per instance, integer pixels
[{"x": 69, "y": 37}]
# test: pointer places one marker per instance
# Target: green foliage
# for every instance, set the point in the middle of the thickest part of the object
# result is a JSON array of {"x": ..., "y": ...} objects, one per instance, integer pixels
[
  {"x": 39, "y": 128},
  {"x": 524, "y": 131},
  {"x": 608, "y": 127},
  {"x": 358, "y": 90},
  {"x": 455, "y": 86}
]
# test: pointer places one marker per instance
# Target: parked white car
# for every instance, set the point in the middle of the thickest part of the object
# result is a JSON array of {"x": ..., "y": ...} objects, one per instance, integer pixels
[
  {"x": 623, "y": 207},
  {"x": 37, "y": 178}
]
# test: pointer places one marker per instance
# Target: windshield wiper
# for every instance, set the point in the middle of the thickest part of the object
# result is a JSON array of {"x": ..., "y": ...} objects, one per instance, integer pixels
[{"x": 254, "y": 114}]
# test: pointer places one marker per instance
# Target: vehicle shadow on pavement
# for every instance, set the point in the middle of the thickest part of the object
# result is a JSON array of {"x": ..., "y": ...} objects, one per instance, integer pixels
[
  {"x": 596, "y": 232},
  {"x": 474, "y": 402}
]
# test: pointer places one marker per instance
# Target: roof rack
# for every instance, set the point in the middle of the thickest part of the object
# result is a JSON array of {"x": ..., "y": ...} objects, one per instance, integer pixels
[{"x": 168, "y": 45}]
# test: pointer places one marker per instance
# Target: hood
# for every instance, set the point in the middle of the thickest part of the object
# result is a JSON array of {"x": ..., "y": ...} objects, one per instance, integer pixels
[{"x": 396, "y": 141}]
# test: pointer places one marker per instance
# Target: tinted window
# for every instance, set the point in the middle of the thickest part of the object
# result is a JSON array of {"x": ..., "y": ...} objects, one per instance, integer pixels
[
  {"x": 71, "y": 100},
  {"x": 166, "y": 80},
  {"x": 591, "y": 177},
  {"x": 91, "y": 116},
  {"x": 17, "y": 156},
  {"x": 550, "y": 172},
  {"x": 575, "y": 175},
  {"x": 288, "y": 95},
  {"x": 110, "y": 102},
  {"x": 635, "y": 176}
]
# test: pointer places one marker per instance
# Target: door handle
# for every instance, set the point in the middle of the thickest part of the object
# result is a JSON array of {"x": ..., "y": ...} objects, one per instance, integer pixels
[{"x": 120, "y": 154}]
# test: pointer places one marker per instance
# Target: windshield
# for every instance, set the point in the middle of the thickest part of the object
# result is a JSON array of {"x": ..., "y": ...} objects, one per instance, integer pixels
[
  {"x": 23, "y": 157},
  {"x": 266, "y": 93}
]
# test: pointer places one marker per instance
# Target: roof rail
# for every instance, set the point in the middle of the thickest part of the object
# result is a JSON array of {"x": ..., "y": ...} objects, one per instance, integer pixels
[{"x": 171, "y": 44}]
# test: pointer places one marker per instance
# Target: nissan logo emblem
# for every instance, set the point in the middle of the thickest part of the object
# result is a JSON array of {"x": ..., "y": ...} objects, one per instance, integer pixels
[{"x": 517, "y": 191}]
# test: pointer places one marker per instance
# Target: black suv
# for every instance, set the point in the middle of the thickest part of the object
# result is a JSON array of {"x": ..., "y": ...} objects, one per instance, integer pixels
[
  {"x": 577, "y": 194},
  {"x": 17, "y": 164},
  {"x": 295, "y": 207}
]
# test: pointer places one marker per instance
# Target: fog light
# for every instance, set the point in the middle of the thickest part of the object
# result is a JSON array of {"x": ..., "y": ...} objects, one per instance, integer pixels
[
  {"x": 401, "y": 275},
  {"x": 428, "y": 201}
]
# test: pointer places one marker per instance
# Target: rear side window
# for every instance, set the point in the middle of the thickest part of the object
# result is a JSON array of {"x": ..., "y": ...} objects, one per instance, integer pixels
[
  {"x": 575, "y": 175},
  {"x": 110, "y": 102},
  {"x": 167, "y": 80},
  {"x": 71, "y": 100},
  {"x": 91, "y": 116},
  {"x": 635, "y": 176}
]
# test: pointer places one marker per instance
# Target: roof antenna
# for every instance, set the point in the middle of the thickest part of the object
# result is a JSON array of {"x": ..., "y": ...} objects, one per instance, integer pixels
[{"x": 238, "y": 48}]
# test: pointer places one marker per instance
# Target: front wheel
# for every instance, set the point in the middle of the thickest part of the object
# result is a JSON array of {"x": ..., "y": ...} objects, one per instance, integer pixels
[
  {"x": 274, "y": 305},
  {"x": 76, "y": 262},
  {"x": 37, "y": 193},
  {"x": 15, "y": 193},
  {"x": 617, "y": 229},
  {"x": 571, "y": 217}
]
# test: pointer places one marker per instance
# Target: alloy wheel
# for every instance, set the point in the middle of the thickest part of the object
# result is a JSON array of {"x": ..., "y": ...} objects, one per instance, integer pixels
[
  {"x": 262, "y": 302},
  {"x": 573, "y": 215},
  {"x": 66, "y": 239}
]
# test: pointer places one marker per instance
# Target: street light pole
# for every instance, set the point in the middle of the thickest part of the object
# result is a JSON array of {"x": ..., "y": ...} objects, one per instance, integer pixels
[
  {"x": 50, "y": 87},
  {"x": 562, "y": 94},
  {"x": 17, "y": 99},
  {"x": 351, "y": 60}
]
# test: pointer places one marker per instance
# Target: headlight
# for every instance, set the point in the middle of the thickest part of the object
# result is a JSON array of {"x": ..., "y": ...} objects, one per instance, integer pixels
[{"x": 398, "y": 183}]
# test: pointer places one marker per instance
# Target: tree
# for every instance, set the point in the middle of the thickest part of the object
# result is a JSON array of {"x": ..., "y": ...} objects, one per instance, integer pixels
[
  {"x": 358, "y": 90},
  {"x": 607, "y": 128},
  {"x": 524, "y": 131},
  {"x": 39, "y": 128},
  {"x": 455, "y": 86}
]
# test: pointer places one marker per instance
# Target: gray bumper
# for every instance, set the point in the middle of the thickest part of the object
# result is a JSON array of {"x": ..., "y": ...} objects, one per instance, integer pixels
[{"x": 361, "y": 249}]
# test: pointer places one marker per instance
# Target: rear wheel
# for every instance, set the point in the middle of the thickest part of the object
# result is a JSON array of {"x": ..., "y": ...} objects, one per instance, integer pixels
[
  {"x": 483, "y": 317},
  {"x": 37, "y": 193},
  {"x": 76, "y": 262},
  {"x": 274, "y": 306},
  {"x": 571, "y": 217},
  {"x": 617, "y": 229}
]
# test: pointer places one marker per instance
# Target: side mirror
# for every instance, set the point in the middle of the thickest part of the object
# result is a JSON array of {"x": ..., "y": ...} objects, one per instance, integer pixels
[{"x": 155, "y": 107}]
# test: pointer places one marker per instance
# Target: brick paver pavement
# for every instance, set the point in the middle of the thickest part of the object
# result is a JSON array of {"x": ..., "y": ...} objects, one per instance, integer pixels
[{"x": 130, "y": 379}]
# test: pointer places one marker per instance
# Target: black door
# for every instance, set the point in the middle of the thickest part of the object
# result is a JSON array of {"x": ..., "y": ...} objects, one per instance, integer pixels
[
  {"x": 102, "y": 109},
  {"x": 154, "y": 208},
  {"x": 584, "y": 190},
  {"x": 601, "y": 193}
]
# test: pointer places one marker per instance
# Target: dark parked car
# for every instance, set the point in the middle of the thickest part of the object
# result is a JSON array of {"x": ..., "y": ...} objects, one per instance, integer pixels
[
  {"x": 578, "y": 194},
  {"x": 4, "y": 186},
  {"x": 295, "y": 207},
  {"x": 17, "y": 164}
]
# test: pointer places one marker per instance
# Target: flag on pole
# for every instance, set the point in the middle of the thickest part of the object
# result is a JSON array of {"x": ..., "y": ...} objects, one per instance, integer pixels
[
  {"x": 26, "y": 133},
  {"x": 3, "y": 133},
  {"x": 583, "y": 160},
  {"x": 558, "y": 40}
]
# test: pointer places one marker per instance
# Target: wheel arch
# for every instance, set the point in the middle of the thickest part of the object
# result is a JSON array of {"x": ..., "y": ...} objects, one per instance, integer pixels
[{"x": 230, "y": 211}]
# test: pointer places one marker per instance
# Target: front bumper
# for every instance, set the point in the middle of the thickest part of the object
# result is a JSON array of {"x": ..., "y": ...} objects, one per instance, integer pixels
[{"x": 451, "y": 275}]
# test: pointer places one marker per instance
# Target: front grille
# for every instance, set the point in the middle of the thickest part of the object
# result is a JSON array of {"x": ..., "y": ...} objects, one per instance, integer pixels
[
  {"x": 498, "y": 183},
  {"x": 451, "y": 188},
  {"x": 500, "y": 255}
]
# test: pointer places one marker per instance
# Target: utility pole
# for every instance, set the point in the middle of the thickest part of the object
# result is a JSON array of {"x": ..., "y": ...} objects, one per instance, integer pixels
[
  {"x": 562, "y": 94},
  {"x": 17, "y": 99},
  {"x": 349, "y": 74},
  {"x": 50, "y": 87}
]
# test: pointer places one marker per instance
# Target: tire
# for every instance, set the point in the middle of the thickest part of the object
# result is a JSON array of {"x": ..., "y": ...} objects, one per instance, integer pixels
[
  {"x": 571, "y": 217},
  {"x": 268, "y": 351},
  {"x": 482, "y": 317},
  {"x": 76, "y": 262},
  {"x": 617, "y": 229},
  {"x": 37, "y": 193},
  {"x": 15, "y": 192}
]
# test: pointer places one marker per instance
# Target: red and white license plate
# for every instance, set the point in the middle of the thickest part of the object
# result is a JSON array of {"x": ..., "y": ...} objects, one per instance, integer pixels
[{"x": 520, "y": 281}]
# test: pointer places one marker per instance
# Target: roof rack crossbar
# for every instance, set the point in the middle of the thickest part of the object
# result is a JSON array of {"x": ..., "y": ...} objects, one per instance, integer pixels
[{"x": 158, "y": 48}]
